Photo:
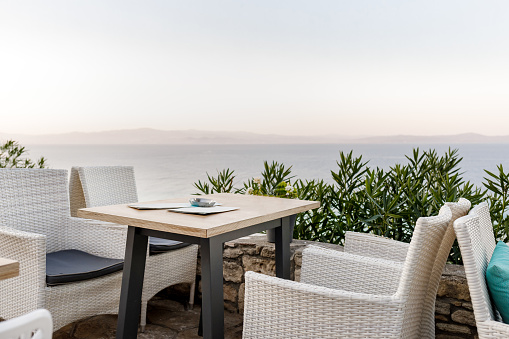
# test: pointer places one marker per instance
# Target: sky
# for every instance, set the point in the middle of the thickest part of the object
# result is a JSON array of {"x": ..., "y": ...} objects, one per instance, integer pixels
[{"x": 290, "y": 67}]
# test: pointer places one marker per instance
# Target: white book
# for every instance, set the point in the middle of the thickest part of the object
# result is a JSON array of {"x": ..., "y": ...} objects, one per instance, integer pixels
[
  {"x": 160, "y": 206},
  {"x": 203, "y": 210}
]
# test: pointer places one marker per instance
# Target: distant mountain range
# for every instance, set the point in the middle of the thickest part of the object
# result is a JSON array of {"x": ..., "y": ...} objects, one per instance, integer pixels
[{"x": 189, "y": 137}]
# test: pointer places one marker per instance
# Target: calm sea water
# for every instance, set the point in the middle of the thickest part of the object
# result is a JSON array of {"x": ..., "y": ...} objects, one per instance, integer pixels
[{"x": 166, "y": 171}]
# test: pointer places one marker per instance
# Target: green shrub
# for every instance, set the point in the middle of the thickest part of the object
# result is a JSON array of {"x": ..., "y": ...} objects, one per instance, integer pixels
[
  {"x": 498, "y": 185},
  {"x": 371, "y": 200},
  {"x": 11, "y": 156}
]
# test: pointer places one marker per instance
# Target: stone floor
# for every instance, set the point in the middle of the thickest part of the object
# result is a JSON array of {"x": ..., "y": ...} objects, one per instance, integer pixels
[{"x": 166, "y": 318}]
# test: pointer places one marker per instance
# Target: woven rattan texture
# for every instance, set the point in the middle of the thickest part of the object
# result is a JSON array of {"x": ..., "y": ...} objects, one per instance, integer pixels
[
  {"x": 374, "y": 246},
  {"x": 76, "y": 196},
  {"x": 486, "y": 228},
  {"x": 458, "y": 209},
  {"x": 384, "y": 248},
  {"x": 476, "y": 241},
  {"x": 279, "y": 308},
  {"x": 345, "y": 271},
  {"x": 108, "y": 185},
  {"x": 35, "y": 220},
  {"x": 111, "y": 185}
]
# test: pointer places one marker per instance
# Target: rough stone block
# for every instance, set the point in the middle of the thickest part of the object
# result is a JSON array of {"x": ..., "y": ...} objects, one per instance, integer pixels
[
  {"x": 454, "y": 287},
  {"x": 251, "y": 249},
  {"x": 232, "y": 252},
  {"x": 468, "y": 306},
  {"x": 442, "y": 307},
  {"x": 230, "y": 307},
  {"x": 260, "y": 265},
  {"x": 448, "y": 336},
  {"x": 242, "y": 291},
  {"x": 453, "y": 328},
  {"x": 463, "y": 317},
  {"x": 232, "y": 271},
  {"x": 259, "y": 249},
  {"x": 298, "y": 258},
  {"x": 441, "y": 317},
  {"x": 230, "y": 292},
  {"x": 297, "y": 274},
  {"x": 268, "y": 252}
]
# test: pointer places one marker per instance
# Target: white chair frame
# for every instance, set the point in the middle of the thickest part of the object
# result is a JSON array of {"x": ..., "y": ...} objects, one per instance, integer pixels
[
  {"x": 346, "y": 295},
  {"x": 111, "y": 185},
  {"x": 34, "y": 325},
  {"x": 477, "y": 242}
]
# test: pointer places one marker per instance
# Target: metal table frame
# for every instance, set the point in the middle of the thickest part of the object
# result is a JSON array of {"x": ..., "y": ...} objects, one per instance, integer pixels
[{"x": 211, "y": 272}]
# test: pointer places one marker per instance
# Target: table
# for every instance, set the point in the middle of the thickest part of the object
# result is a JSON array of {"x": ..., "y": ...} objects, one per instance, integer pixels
[
  {"x": 255, "y": 214},
  {"x": 8, "y": 268}
]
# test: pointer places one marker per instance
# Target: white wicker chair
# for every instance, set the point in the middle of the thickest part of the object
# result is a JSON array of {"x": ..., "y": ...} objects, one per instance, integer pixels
[
  {"x": 35, "y": 220},
  {"x": 476, "y": 241},
  {"x": 342, "y": 295},
  {"x": 34, "y": 325},
  {"x": 373, "y": 246},
  {"x": 111, "y": 185}
]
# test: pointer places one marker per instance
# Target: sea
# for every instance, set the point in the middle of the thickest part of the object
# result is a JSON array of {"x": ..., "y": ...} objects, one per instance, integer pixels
[{"x": 169, "y": 171}]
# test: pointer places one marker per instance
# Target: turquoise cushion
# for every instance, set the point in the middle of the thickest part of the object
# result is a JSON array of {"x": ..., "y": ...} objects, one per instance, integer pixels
[{"x": 497, "y": 277}]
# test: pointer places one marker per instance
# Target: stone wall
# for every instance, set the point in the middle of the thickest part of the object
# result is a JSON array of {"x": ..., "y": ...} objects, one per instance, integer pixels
[{"x": 454, "y": 315}]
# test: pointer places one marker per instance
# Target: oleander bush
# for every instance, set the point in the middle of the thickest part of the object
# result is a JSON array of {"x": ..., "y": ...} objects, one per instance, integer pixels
[
  {"x": 360, "y": 198},
  {"x": 12, "y": 155}
]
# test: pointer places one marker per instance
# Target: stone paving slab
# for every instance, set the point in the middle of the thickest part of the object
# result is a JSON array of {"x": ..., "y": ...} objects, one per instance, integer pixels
[{"x": 166, "y": 319}]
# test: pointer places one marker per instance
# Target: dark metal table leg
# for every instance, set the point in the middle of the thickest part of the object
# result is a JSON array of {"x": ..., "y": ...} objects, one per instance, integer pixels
[
  {"x": 200, "y": 324},
  {"x": 132, "y": 284},
  {"x": 283, "y": 249},
  {"x": 212, "y": 288}
]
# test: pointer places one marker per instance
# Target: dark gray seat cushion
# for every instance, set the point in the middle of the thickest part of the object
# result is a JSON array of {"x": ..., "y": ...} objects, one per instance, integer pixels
[
  {"x": 160, "y": 245},
  {"x": 72, "y": 265}
]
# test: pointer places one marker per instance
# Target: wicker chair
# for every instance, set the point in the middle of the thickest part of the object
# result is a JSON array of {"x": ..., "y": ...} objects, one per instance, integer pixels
[
  {"x": 111, "y": 185},
  {"x": 476, "y": 241},
  {"x": 346, "y": 295},
  {"x": 373, "y": 246},
  {"x": 34, "y": 221},
  {"x": 34, "y": 325}
]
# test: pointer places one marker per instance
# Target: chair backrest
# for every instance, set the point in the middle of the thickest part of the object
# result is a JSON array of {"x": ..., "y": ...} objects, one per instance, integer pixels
[
  {"x": 35, "y": 200},
  {"x": 76, "y": 195},
  {"x": 458, "y": 209},
  {"x": 418, "y": 266},
  {"x": 476, "y": 256},
  {"x": 34, "y": 325},
  {"x": 485, "y": 227},
  {"x": 101, "y": 185}
]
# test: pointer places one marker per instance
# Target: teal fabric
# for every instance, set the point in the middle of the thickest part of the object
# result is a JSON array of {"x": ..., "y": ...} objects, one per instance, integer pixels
[{"x": 497, "y": 278}]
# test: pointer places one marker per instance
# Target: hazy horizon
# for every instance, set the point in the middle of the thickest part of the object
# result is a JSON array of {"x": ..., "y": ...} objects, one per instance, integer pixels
[
  {"x": 352, "y": 136},
  {"x": 148, "y": 136},
  {"x": 356, "y": 68}
]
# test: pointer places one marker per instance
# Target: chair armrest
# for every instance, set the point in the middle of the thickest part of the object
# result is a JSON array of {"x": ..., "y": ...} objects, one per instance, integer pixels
[
  {"x": 96, "y": 237},
  {"x": 349, "y": 272},
  {"x": 278, "y": 308},
  {"x": 25, "y": 292},
  {"x": 370, "y": 245},
  {"x": 492, "y": 329}
]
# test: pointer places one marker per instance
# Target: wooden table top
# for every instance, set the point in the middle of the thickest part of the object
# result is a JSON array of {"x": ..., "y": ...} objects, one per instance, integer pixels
[
  {"x": 8, "y": 268},
  {"x": 252, "y": 210}
]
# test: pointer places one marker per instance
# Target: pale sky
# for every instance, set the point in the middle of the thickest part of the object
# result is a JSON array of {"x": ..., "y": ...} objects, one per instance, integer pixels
[{"x": 357, "y": 67}]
